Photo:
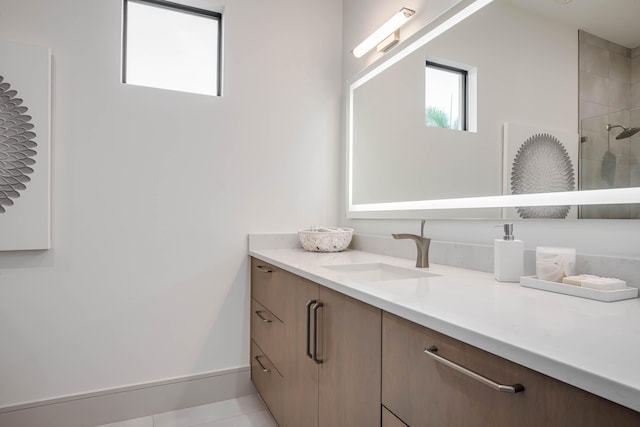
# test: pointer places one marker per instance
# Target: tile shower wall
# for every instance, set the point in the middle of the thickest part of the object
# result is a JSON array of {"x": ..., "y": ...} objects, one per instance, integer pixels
[
  {"x": 635, "y": 77},
  {"x": 609, "y": 93},
  {"x": 605, "y": 76}
]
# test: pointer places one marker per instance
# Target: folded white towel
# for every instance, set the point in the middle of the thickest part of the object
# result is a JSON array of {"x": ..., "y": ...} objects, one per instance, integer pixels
[{"x": 554, "y": 264}]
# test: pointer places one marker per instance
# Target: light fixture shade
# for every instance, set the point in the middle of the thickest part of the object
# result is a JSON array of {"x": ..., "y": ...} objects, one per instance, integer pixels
[{"x": 396, "y": 21}]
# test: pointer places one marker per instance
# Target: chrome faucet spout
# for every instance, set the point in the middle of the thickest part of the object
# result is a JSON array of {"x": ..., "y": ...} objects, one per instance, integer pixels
[{"x": 422, "y": 245}]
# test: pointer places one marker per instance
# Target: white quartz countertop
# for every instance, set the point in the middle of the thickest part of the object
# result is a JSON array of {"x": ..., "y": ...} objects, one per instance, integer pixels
[{"x": 590, "y": 344}]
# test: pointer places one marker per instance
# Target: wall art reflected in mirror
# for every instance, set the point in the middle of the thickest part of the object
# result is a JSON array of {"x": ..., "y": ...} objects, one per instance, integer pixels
[{"x": 542, "y": 65}]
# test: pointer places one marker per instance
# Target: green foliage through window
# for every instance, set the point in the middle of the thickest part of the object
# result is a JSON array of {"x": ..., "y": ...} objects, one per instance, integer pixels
[
  {"x": 445, "y": 96},
  {"x": 438, "y": 118}
]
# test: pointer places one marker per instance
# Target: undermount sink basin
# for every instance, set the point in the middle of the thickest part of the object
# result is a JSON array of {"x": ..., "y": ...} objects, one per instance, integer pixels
[{"x": 378, "y": 272}]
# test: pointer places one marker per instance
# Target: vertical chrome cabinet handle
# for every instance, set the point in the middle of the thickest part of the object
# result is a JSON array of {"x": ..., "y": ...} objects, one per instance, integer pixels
[
  {"x": 259, "y": 314},
  {"x": 308, "y": 341},
  {"x": 264, "y": 269},
  {"x": 316, "y": 306},
  {"x": 515, "y": 388},
  {"x": 265, "y": 370}
]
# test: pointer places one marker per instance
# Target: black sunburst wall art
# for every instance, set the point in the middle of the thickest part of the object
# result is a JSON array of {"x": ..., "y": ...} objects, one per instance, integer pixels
[{"x": 25, "y": 78}]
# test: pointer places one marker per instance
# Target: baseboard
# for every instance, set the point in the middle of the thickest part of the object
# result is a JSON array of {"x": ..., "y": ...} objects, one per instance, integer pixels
[{"x": 107, "y": 406}]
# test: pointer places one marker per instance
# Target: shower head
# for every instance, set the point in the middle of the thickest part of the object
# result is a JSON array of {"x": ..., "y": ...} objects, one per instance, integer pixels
[{"x": 626, "y": 132}]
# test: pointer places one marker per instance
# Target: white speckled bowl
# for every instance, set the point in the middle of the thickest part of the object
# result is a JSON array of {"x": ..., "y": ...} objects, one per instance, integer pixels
[{"x": 325, "y": 239}]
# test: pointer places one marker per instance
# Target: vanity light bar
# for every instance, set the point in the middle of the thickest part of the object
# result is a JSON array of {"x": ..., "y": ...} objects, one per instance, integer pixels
[
  {"x": 387, "y": 29},
  {"x": 562, "y": 198},
  {"x": 472, "y": 6}
]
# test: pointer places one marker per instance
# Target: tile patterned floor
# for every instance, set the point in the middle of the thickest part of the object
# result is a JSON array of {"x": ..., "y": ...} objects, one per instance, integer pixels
[{"x": 247, "y": 411}]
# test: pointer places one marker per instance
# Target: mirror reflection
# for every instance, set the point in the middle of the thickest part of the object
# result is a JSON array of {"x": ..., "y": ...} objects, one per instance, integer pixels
[{"x": 531, "y": 76}]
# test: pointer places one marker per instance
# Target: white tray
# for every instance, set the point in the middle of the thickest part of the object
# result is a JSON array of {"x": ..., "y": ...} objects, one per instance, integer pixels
[{"x": 578, "y": 291}]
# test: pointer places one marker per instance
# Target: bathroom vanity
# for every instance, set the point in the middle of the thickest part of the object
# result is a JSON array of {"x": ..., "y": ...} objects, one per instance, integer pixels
[
  {"x": 313, "y": 349},
  {"x": 360, "y": 339}
]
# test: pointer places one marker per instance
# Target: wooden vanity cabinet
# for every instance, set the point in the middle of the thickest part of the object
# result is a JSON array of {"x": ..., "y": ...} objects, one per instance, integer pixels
[
  {"x": 330, "y": 357},
  {"x": 422, "y": 391},
  {"x": 322, "y": 359}
]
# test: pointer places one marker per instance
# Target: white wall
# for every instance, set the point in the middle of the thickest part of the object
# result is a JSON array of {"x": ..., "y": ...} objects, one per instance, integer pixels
[
  {"x": 598, "y": 237},
  {"x": 154, "y": 193}
]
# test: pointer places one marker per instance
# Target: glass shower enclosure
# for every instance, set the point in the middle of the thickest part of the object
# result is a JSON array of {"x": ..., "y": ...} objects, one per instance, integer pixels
[{"x": 610, "y": 158}]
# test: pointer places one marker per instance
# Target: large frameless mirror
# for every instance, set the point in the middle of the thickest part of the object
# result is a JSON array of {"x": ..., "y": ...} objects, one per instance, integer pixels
[{"x": 543, "y": 81}]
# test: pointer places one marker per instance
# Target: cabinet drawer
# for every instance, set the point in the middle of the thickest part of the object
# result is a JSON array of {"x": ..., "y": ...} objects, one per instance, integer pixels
[
  {"x": 268, "y": 286},
  {"x": 423, "y": 391},
  {"x": 269, "y": 334},
  {"x": 268, "y": 381}
]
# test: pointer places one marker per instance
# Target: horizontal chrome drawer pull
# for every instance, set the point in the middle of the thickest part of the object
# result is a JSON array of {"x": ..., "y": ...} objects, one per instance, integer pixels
[
  {"x": 265, "y": 370},
  {"x": 264, "y": 269},
  {"x": 515, "y": 388},
  {"x": 259, "y": 314}
]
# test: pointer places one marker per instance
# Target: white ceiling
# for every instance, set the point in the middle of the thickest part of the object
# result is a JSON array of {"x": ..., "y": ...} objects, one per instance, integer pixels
[{"x": 614, "y": 20}]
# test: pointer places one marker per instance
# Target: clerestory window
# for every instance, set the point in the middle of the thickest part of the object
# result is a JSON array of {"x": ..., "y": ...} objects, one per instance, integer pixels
[{"x": 172, "y": 46}]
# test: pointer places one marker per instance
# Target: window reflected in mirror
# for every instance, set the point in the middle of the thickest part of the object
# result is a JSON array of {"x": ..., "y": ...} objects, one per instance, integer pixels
[{"x": 445, "y": 96}]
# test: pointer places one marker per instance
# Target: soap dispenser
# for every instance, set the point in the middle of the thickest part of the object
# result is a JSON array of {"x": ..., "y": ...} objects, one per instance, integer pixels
[{"x": 508, "y": 256}]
